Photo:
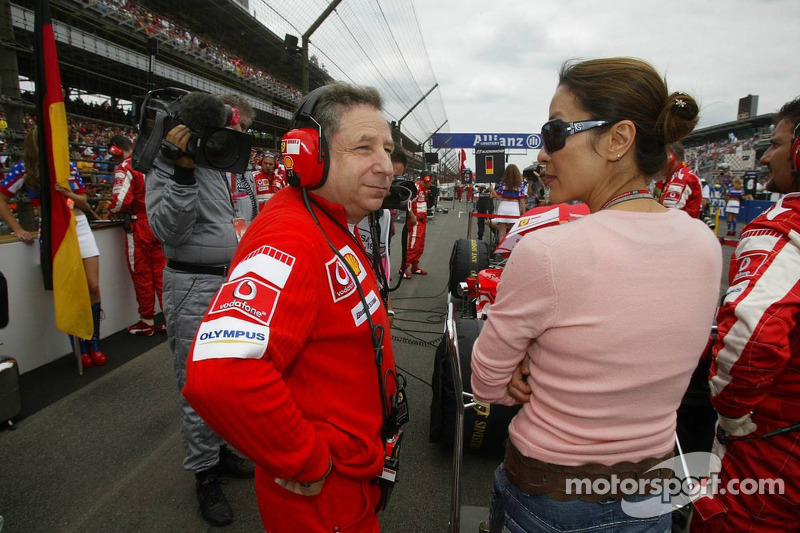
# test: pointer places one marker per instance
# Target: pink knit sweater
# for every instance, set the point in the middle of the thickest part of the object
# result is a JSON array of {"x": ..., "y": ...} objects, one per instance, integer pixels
[{"x": 614, "y": 311}]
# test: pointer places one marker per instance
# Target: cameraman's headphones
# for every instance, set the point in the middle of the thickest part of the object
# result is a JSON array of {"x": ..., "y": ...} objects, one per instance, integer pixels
[
  {"x": 231, "y": 116},
  {"x": 304, "y": 149},
  {"x": 115, "y": 151},
  {"x": 795, "y": 152}
]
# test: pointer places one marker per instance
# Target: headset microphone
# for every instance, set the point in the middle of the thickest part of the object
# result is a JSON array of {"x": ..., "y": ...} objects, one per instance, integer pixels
[{"x": 199, "y": 109}]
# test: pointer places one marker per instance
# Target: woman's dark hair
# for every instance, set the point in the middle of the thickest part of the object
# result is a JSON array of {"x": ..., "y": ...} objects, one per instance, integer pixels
[
  {"x": 30, "y": 158},
  {"x": 512, "y": 177},
  {"x": 621, "y": 88}
]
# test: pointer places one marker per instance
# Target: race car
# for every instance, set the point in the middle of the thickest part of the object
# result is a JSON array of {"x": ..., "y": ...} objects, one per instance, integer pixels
[{"x": 474, "y": 277}]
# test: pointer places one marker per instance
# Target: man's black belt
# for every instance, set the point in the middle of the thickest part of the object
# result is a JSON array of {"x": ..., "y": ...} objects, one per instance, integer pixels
[{"x": 194, "y": 268}]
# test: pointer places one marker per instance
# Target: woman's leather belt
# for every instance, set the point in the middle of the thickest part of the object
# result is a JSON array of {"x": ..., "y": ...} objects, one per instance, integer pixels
[
  {"x": 221, "y": 270},
  {"x": 564, "y": 483}
]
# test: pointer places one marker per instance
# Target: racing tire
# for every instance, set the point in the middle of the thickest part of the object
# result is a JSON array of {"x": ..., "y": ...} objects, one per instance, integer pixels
[
  {"x": 469, "y": 256},
  {"x": 482, "y": 434}
]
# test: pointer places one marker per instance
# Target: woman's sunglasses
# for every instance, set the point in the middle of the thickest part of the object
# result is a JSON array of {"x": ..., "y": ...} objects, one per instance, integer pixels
[{"x": 556, "y": 131}]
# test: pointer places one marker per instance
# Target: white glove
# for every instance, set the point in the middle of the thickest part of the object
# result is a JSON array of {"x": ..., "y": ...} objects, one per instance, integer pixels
[{"x": 737, "y": 427}]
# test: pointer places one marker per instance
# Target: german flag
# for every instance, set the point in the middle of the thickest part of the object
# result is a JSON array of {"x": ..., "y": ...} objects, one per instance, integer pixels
[{"x": 62, "y": 266}]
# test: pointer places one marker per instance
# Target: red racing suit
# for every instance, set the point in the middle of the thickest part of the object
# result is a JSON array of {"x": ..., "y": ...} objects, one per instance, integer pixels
[
  {"x": 683, "y": 190},
  {"x": 416, "y": 233},
  {"x": 145, "y": 256},
  {"x": 756, "y": 370},
  {"x": 283, "y": 367},
  {"x": 267, "y": 186}
]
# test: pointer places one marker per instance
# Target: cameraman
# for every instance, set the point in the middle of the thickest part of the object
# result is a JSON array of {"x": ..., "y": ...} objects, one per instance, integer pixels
[{"x": 197, "y": 214}]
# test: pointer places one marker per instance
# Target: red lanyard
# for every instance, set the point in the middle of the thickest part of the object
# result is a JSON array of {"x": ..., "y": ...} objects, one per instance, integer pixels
[{"x": 635, "y": 194}]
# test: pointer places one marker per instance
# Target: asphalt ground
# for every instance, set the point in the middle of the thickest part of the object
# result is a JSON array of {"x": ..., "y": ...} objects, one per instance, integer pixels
[{"x": 102, "y": 452}]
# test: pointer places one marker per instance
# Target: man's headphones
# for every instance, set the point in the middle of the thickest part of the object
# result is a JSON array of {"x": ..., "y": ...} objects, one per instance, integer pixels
[
  {"x": 304, "y": 149},
  {"x": 115, "y": 151},
  {"x": 671, "y": 160},
  {"x": 231, "y": 116},
  {"x": 795, "y": 153}
]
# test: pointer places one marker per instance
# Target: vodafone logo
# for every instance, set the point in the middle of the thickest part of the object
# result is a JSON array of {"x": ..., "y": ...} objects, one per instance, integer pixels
[
  {"x": 246, "y": 290},
  {"x": 342, "y": 276},
  {"x": 339, "y": 279},
  {"x": 246, "y": 296}
]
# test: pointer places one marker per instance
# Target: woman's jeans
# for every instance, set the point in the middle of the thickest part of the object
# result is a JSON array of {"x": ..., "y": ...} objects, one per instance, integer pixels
[{"x": 514, "y": 511}]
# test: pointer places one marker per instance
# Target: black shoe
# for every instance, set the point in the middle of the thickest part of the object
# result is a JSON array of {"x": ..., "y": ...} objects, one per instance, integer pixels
[
  {"x": 233, "y": 465},
  {"x": 213, "y": 505}
]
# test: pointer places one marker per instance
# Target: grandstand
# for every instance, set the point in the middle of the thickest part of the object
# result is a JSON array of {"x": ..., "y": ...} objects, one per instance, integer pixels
[
  {"x": 104, "y": 49},
  {"x": 721, "y": 152},
  {"x": 115, "y": 50}
]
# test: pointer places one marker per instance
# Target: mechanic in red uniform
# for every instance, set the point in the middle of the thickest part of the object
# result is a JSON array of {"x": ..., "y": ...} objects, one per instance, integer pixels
[
  {"x": 283, "y": 366},
  {"x": 755, "y": 376},
  {"x": 417, "y": 223},
  {"x": 269, "y": 180},
  {"x": 145, "y": 258},
  {"x": 682, "y": 188}
]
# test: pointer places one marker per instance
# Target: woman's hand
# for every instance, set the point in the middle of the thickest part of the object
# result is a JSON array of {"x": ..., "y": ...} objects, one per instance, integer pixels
[
  {"x": 518, "y": 387},
  {"x": 79, "y": 200},
  {"x": 24, "y": 236}
]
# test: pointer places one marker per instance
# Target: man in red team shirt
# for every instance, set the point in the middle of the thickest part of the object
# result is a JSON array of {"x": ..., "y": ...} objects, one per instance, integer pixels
[
  {"x": 417, "y": 222},
  {"x": 269, "y": 180},
  {"x": 292, "y": 363},
  {"x": 681, "y": 189},
  {"x": 755, "y": 375},
  {"x": 145, "y": 257}
]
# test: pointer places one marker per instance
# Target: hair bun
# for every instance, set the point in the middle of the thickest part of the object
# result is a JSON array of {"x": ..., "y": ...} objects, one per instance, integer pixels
[{"x": 679, "y": 116}]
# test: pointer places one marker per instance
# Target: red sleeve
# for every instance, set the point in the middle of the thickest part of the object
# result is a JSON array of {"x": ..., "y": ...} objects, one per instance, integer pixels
[
  {"x": 254, "y": 328},
  {"x": 756, "y": 320},
  {"x": 122, "y": 191},
  {"x": 695, "y": 201}
]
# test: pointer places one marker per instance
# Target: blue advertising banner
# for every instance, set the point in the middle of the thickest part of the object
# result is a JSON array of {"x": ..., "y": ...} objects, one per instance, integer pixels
[{"x": 474, "y": 140}]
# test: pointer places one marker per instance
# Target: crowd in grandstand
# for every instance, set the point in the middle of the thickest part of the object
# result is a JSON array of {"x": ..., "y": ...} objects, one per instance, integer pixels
[{"x": 179, "y": 37}]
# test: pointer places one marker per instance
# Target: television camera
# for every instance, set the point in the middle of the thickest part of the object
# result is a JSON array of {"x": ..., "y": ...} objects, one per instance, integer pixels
[
  {"x": 401, "y": 192},
  {"x": 211, "y": 144}
]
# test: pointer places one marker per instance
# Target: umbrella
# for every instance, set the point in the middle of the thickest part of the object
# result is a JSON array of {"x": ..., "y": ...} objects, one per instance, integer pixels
[{"x": 540, "y": 217}]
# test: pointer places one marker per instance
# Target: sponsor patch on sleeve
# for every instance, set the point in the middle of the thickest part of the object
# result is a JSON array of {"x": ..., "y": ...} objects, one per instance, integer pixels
[
  {"x": 230, "y": 337},
  {"x": 268, "y": 263},
  {"x": 359, "y": 315},
  {"x": 339, "y": 279},
  {"x": 735, "y": 291},
  {"x": 750, "y": 264},
  {"x": 251, "y": 298}
]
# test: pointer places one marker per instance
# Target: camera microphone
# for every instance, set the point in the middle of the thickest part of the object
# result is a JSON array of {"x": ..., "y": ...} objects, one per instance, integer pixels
[{"x": 200, "y": 109}]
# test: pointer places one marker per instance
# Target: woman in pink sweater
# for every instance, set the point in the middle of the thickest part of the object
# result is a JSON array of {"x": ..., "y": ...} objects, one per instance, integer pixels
[{"x": 606, "y": 316}]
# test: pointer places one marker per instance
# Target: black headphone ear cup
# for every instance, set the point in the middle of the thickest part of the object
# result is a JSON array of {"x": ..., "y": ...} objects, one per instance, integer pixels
[{"x": 305, "y": 157}]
